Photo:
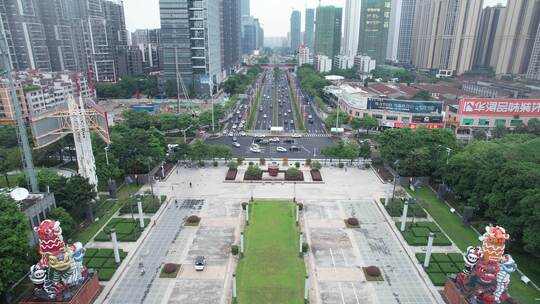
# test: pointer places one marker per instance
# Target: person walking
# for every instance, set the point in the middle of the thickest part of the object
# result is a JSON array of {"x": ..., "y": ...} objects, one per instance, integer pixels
[{"x": 190, "y": 184}]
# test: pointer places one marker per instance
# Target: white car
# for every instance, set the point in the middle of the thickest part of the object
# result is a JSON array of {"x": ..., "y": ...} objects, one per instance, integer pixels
[
  {"x": 255, "y": 150},
  {"x": 200, "y": 262},
  {"x": 242, "y": 133},
  {"x": 264, "y": 116},
  {"x": 231, "y": 134},
  {"x": 281, "y": 149},
  {"x": 236, "y": 144},
  {"x": 255, "y": 146},
  {"x": 225, "y": 132},
  {"x": 274, "y": 139},
  {"x": 297, "y": 135}
]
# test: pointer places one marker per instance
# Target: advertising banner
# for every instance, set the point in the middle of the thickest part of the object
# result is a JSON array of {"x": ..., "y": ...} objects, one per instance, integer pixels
[
  {"x": 418, "y": 125},
  {"x": 487, "y": 106},
  {"x": 408, "y": 106},
  {"x": 427, "y": 119}
]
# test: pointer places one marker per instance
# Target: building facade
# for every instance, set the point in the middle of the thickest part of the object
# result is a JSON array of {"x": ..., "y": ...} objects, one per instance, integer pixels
[
  {"x": 295, "y": 30},
  {"x": 328, "y": 31},
  {"x": 406, "y": 31},
  {"x": 245, "y": 11},
  {"x": 231, "y": 34},
  {"x": 148, "y": 41},
  {"x": 343, "y": 62},
  {"x": 129, "y": 60},
  {"x": 309, "y": 28},
  {"x": 515, "y": 37},
  {"x": 487, "y": 29},
  {"x": 444, "y": 35},
  {"x": 351, "y": 28},
  {"x": 323, "y": 63},
  {"x": 364, "y": 64},
  {"x": 304, "y": 56},
  {"x": 394, "y": 30},
  {"x": 533, "y": 71},
  {"x": 374, "y": 25}
]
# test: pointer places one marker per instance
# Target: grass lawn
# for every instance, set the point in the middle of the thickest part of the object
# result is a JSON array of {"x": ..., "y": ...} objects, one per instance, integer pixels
[
  {"x": 464, "y": 236},
  {"x": 271, "y": 271},
  {"x": 102, "y": 260},
  {"x": 13, "y": 179}
]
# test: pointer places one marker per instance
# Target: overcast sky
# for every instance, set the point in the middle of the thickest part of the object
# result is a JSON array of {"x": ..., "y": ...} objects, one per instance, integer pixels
[{"x": 273, "y": 14}]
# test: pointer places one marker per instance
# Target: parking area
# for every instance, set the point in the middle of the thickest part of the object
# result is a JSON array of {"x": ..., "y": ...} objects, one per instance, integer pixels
[{"x": 339, "y": 253}]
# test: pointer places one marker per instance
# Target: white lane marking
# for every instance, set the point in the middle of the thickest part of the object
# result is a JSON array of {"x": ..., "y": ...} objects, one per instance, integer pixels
[
  {"x": 333, "y": 261},
  {"x": 341, "y": 292},
  {"x": 354, "y": 291},
  {"x": 344, "y": 258}
]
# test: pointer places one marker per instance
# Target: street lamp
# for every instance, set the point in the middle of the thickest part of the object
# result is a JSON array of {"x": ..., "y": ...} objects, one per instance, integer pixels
[
  {"x": 150, "y": 180},
  {"x": 106, "y": 154},
  {"x": 129, "y": 181},
  {"x": 294, "y": 192},
  {"x": 396, "y": 164}
]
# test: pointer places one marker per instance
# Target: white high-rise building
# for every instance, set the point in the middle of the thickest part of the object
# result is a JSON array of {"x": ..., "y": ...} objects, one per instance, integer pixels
[
  {"x": 351, "y": 27},
  {"x": 304, "y": 56},
  {"x": 364, "y": 64},
  {"x": 323, "y": 63},
  {"x": 393, "y": 31},
  {"x": 342, "y": 62}
]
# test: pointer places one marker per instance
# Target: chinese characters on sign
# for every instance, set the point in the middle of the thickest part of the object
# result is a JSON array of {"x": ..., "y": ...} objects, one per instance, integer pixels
[
  {"x": 418, "y": 125},
  {"x": 410, "y": 106},
  {"x": 499, "y": 106}
]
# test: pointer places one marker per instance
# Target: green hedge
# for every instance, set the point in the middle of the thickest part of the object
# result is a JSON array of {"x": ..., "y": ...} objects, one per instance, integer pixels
[
  {"x": 150, "y": 204},
  {"x": 441, "y": 265},
  {"x": 395, "y": 209},
  {"x": 102, "y": 260},
  {"x": 417, "y": 234}
]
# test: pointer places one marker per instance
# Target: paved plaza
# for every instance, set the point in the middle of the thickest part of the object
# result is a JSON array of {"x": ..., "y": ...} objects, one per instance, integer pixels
[{"x": 334, "y": 261}]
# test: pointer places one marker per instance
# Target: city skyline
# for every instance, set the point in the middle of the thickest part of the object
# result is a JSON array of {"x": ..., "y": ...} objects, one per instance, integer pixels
[{"x": 274, "y": 16}]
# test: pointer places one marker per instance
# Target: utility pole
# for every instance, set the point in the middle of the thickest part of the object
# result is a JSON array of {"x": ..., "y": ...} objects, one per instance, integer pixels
[
  {"x": 212, "y": 102},
  {"x": 21, "y": 128}
]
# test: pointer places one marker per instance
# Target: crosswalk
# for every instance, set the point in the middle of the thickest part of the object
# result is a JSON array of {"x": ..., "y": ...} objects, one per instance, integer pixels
[{"x": 317, "y": 135}]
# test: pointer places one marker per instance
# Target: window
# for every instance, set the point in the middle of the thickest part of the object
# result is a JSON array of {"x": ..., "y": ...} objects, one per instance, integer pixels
[
  {"x": 516, "y": 122},
  {"x": 378, "y": 116},
  {"x": 500, "y": 122},
  {"x": 357, "y": 114},
  {"x": 483, "y": 122},
  {"x": 391, "y": 117},
  {"x": 468, "y": 121}
]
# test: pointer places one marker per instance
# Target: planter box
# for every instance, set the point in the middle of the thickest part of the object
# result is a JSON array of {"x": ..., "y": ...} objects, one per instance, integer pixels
[
  {"x": 299, "y": 178},
  {"x": 316, "y": 175},
  {"x": 231, "y": 174},
  {"x": 249, "y": 177}
]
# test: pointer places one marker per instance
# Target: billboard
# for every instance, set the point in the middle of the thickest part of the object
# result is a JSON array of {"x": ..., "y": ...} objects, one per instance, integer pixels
[
  {"x": 427, "y": 119},
  {"x": 409, "y": 106},
  {"x": 418, "y": 125},
  {"x": 503, "y": 107}
]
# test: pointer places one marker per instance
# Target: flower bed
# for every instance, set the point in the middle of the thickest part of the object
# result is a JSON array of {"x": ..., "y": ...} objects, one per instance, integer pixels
[
  {"x": 192, "y": 220},
  {"x": 316, "y": 175},
  {"x": 373, "y": 273},
  {"x": 231, "y": 174}
]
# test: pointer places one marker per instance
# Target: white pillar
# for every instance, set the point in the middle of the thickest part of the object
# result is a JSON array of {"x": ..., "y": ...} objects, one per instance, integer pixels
[
  {"x": 300, "y": 243},
  {"x": 404, "y": 216},
  {"x": 115, "y": 246},
  {"x": 234, "y": 285},
  {"x": 241, "y": 242},
  {"x": 429, "y": 248},
  {"x": 247, "y": 213},
  {"x": 388, "y": 198},
  {"x": 306, "y": 288},
  {"x": 139, "y": 206},
  {"x": 297, "y": 213}
]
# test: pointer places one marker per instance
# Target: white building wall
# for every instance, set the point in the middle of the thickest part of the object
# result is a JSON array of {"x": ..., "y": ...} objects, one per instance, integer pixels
[
  {"x": 393, "y": 31},
  {"x": 351, "y": 27}
]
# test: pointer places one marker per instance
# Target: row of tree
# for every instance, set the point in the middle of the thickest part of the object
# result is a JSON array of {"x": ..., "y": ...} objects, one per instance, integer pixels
[
  {"x": 347, "y": 150},
  {"x": 237, "y": 84},
  {"x": 127, "y": 87},
  {"x": 200, "y": 151},
  {"x": 312, "y": 81}
]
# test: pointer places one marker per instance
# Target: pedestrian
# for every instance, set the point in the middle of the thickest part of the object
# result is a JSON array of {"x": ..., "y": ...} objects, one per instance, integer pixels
[
  {"x": 176, "y": 203},
  {"x": 190, "y": 184},
  {"x": 172, "y": 188},
  {"x": 154, "y": 224}
]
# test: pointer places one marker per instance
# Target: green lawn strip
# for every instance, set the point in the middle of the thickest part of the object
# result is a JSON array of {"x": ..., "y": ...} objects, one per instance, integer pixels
[
  {"x": 254, "y": 107},
  {"x": 464, "y": 236},
  {"x": 296, "y": 108},
  {"x": 271, "y": 271},
  {"x": 102, "y": 261},
  {"x": 127, "y": 230},
  {"x": 13, "y": 179},
  {"x": 88, "y": 233},
  {"x": 417, "y": 234}
]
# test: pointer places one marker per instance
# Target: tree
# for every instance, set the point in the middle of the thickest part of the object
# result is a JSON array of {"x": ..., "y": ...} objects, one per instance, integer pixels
[
  {"x": 14, "y": 235},
  {"x": 341, "y": 150},
  {"x": 132, "y": 147},
  {"x": 199, "y": 151},
  {"x": 10, "y": 159},
  {"x": 365, "y": 150},
  {"x": 330, "y": 120},
  {"x": 75, "y": 196},
  {"x": 8, "y": 137},
  {"x": 423, "y": 95},
  {"x": 69, "y": 227},
  {"x": 499, "y": 132},
  {"x": 479, "y": 135},
  {"x": 50, "y": 178},
  {"x": 137, "y": 119},
  {"x": 171, "y": 88},
  {"x": 168, "y": 121}
]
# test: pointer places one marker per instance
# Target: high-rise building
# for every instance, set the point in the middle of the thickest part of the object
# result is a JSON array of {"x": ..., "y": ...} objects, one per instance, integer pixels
[
  {"x": 304, "y": 56},
  {"x": 146, "y": 36},
  {"x": 343, "y": 62},
  {"x": 406, "y": 31},
  {"x": 351, "y": 27},
  {"x": 245, "y": 8},
  {"x": 515, "y": 37},
  {"x": 260, "y": 36},
  {"x": 374, "y": 24},
  {"x": 309, "y": 28},
  {"x": 191, "y": 43},
  {"x": 364, "y": 64},
  {"x": 328, "y": 31},
  {"x": 487, "y": 29},
  {"x": 444, "y": 34},
  {"x": 231, "y": 34},
  {"x": 295, "y": 30},
  {"x": 148, "y": 41},
  {"x": 250, "y": 32},
  {"x": 323, "y": 63},
  {"x": 533, "y": 71},
  {"x": 393, "y": 30},
  {"x": 129, "y": 60}
]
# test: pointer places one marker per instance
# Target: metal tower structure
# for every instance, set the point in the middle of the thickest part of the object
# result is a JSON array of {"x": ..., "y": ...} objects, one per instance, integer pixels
[
  {"x": 21, "y": 127},
  {"x": 82, "y": 139}
]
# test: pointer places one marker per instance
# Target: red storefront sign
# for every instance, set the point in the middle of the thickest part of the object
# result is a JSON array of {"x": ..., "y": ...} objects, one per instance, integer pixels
[
  {"x": 418, "y": 125},
  {"x": 503, "y": 107}
]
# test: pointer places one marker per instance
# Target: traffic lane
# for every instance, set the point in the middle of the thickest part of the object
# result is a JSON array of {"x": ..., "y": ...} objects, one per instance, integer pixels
[{"x": 310, "y": 147}]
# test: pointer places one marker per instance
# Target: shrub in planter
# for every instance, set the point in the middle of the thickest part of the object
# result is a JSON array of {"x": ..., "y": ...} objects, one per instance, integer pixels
[
  {"x": 193, "y": 219},
  {"x": 373, "y": 271},
  {"x": 316, "y": 166},
  {"x": 297, "y": 164},
  {"x": 300, "y": 206},
  {"x": 293, "y": 174},
  {"x": 239, "y": 160},
  {"x": 341, "y": 165},
  {"x": 231, "y": 174},
  {"x": 250, "y": 164},
  {"x": 234, "y": 249},
  {"x": 169, "y": 268},
  {"x": 244, "y": 204},
  {"x": 215, "y": 163},
  {"x": 262, "y": 161},
  {"x": 305, "y": 247},
  {"x": 253, "y": 173},
  {"x": 308, "y": 162},
  {"x": 201, "y": 163},
  {"x": 233, "y": 165},
  {"x": 316, "y": 175},
  {"x": 352, "y": 221}
]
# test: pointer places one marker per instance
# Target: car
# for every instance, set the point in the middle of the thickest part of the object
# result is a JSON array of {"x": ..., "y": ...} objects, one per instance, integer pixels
[
  {"x": 200, "y": 262},
  {"x": 274, "y": 139},
  {"x": 234, "y": 126},
  {"x": 281, "y": 149},
  {"x": 242, "y": 133},
  {"x": 231, "y": 134},
  {"x": 236, "y": 144},
  {"x": 289, "y": 141},
  {"x": 237, "y": 112},
  {"x": 279, "y": 113},
  {"x": 285, "y": 114},
  {"x": 285, "y": 121},
  {"x": 257, "y": 140},
  {"x": 225, "y": 132},
  {"x": 255, "y": 150},
  {"x": 254, "y": 145},
  {"x": 235, "y": 138},
  {"x": 264, "y": 142},
  {"x": 243, "y": 121},
  {"x": 289, "y": 111},
  {"x": 297, "y": 135},
  {"x": 264, "y": 116},
  {"x": 292, "y": 122},
  {"x": 294, "y": 149}
]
